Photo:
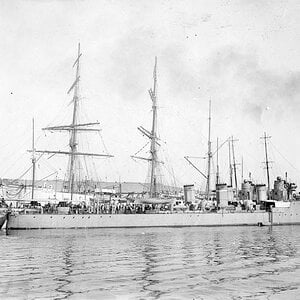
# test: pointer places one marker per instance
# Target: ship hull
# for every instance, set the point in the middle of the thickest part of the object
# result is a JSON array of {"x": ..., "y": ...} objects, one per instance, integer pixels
[
  {"x": 135, "y": 220},
  {"x": 286, "y": 215},
  {"x": 2, "y": 220},
  {"x": 279, "y": 216}
]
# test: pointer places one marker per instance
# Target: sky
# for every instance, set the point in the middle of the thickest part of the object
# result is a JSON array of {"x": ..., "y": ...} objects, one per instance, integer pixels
[{"x": 241, "y": 55}]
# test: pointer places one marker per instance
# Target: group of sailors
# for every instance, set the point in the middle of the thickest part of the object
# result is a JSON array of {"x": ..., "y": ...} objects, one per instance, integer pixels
[
  {"x": 107, "y": 208},
  {"x": 120, "y": 207},
  {"x": 116, "y": 207}
]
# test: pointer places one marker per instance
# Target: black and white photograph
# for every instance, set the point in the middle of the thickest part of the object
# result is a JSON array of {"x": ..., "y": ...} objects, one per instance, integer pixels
[{"x": 150, "y": 149}]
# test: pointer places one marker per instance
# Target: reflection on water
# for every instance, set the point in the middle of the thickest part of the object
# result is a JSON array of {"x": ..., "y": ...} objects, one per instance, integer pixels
[
  {"x": 149, "y": 253},
  {"x": 67, "y": 267},
  {"x": 152, "y": 263}
]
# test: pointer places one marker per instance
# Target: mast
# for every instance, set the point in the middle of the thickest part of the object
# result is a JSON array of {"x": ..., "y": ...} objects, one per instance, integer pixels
[
  {"x": 217, "y": 177},
  {"x": 73, "y": 135},
  {"x": 267, "y": 162},
  {"x": 154, "y": 140},
  {"x": 234, "y": 164},
  {"x": 73, "y": 129},
  {"x": 33, "y": 159},
  {"x": 230, "y": 165},
  {"x": 153, "y": 149},
  {"x": 209, "y": 153}
]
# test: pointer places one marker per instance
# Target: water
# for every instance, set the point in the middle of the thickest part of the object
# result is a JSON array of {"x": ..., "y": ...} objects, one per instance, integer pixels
[{"x": 153, "y": 263}]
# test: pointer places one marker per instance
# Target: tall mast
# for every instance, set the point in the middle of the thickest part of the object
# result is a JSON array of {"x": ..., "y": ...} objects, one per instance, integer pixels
[
  {"x": 73, "y": 134},
  {"x": 33, "y": 159},
  {"x": 153, "y": 149},
  {"x": 218, "y": 175},
  {"x": 267, "y": 162},
  {"x": 74, "y": 128},
  {"x": 209, "y": 152},
  {"x": 230, "y": 165},
  {"x": 234, "y": 163},
  {"x": 154, "y": 139}
]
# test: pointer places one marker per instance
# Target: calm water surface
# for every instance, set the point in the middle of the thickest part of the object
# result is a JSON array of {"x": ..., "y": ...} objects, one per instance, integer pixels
[{"x": 153, "y": 263}]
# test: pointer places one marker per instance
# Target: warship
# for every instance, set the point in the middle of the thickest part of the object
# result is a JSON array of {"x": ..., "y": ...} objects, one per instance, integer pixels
[{"x": 253, "y": 204}]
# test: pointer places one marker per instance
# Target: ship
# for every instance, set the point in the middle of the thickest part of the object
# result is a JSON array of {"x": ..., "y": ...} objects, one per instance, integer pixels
[{"x": 252, "y": 205}]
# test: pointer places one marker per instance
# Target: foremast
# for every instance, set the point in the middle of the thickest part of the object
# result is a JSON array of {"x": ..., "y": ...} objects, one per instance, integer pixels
[{"x": 74, "y": 128}]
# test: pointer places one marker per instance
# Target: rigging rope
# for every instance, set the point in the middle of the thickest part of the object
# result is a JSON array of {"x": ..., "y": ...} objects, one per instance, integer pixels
[
  {"x": 142, "y": 148},
  {"x": 284, "y": 157}
]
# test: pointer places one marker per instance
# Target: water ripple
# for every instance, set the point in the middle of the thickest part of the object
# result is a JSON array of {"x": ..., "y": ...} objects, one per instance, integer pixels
[{"x": 153, "y": 263}]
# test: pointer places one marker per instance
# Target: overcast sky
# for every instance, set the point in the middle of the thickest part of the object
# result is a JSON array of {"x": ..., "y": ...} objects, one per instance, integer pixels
[{"x": 243, "y": 55}]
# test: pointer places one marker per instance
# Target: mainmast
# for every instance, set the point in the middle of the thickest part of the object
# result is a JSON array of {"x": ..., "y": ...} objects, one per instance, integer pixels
[
  {"x": 153, "y": 149},
  {"x": 152, "y": 135},
  {"x": 33, "y": 159},
  {"x": 73, "y": 134},
  {"x": 209, "y": 153},
  {"x": 234, "y": 164}
]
